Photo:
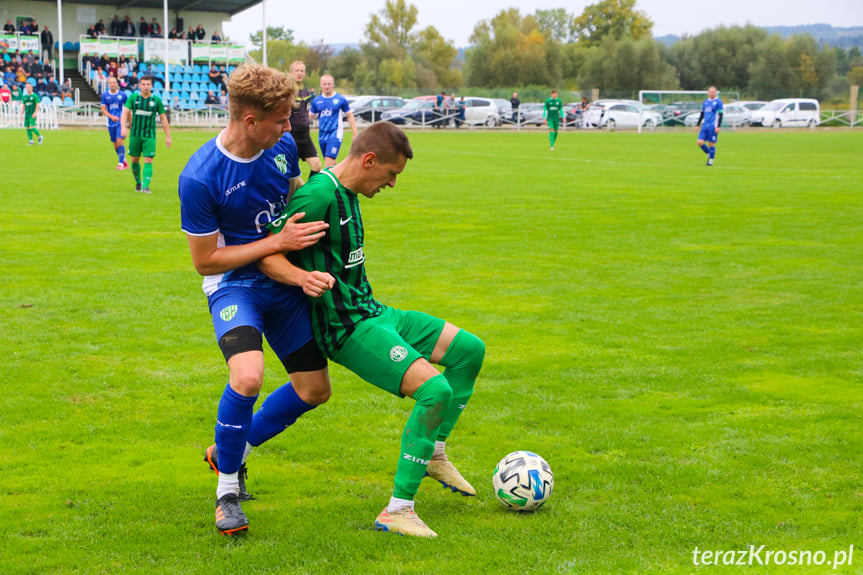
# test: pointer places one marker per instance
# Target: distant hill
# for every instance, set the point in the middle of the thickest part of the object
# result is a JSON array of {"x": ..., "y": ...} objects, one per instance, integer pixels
[{"x": 834, "y": 36}]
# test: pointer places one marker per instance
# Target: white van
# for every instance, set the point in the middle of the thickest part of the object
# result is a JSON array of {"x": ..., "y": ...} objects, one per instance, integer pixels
[{"x": 788, "y": 112}]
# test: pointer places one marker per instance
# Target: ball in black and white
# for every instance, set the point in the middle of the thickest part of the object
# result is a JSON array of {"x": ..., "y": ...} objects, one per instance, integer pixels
[{"x": 523, "y": 481}]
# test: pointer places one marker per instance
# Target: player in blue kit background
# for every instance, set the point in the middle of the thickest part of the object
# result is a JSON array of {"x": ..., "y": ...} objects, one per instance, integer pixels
[
  {"x": 112, "y": 108},
  {"x": 328, "y": 108},
  {"x": 229, "y": 190},
  {"x": 711, "y": 114}
]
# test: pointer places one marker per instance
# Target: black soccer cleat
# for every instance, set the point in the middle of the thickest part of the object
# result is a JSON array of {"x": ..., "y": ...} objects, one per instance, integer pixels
[
  {"x": 137, "y": 187},
  {"x": 211, "y": 456},
  {"x": 230, "y": 518}
]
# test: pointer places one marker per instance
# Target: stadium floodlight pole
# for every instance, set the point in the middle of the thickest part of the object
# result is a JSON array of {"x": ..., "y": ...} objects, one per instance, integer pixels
[
  {"x": 165, "y": 40},
  {"x": 264, "y": 35},
  {"x": 60, "y": 32}
]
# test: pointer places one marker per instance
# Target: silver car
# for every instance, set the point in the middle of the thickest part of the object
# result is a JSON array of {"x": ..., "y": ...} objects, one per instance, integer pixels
[{"x": 733, "y": 115}]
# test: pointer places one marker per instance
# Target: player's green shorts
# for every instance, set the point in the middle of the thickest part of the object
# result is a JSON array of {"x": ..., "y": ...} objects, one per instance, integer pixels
[
  {"x": 553, "y": 123},
  {"x": 29, "y": 122},
  {"x": 382, "y": 348},
  {"x": 142, "y": 147}
]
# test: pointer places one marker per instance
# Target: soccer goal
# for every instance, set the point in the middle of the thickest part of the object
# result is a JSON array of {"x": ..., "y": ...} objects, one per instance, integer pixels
[{"x": 672, "y": 108}]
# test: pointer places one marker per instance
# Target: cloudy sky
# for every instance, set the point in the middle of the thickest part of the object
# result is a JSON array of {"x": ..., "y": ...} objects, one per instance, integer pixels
[{"x": 339, "y": 21}]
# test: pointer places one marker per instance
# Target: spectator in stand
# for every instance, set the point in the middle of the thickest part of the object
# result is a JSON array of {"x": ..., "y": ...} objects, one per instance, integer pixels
[
  {"x": 100, "y": 28},
  {"x": 5, "y": 94},
  {"x": 4, "y": 56},
  {"x": 21, "y": 76},
  {"x": 34, "y": 27},
  {"x": 9, "y": 76},
  {"x": 123, "y": 70},
  {"x": 66, "y": 88},
  {"x": 216, "y": 37},
  {"x": 41, "y": 87},
  {"x": 172, "y": 35},
  {"x": 200, "y": 33},
  {"x": 191, "y": 35},
  {"x": 9, "y": 28},
  {"x": 223, "y": 100},
  {"x": 132, "y": 80},
  {"x": 113, "y": 68},
  {"x": 155, "y": 29},
  {"x": 24, "y": 28},
  {"x": 116, "y": 26},
  {"x": 53, "y": 88},
  {"x": 175, "y": 105},
  {"x": 91, "y": 32},
  {"x": 48, "y": 42},
  {"x": 100, "y": 75},
  {"x": 128, "y": 27},
  {"x": 211, "y": 99},
  {"x": 27, "y": 64},
  {"x": 214, "y": 75},
  {"x": 143, "y": 28}
]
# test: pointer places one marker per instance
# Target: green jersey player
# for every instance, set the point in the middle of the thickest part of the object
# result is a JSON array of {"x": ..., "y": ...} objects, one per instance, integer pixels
[
  {"x": 141, "y": 110},
  {"x": 30, "y": 111},
  {"x": 390, "y": 348},
  {"x": 552, "y": 112}
]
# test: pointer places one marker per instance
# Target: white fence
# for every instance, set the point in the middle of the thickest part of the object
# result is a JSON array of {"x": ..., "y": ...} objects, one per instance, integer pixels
[{"x": 12, "y": 116}]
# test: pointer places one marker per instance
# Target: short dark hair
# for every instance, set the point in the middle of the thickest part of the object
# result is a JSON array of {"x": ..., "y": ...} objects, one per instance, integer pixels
[
  {"x": 386, "y": 140},
  {"x": 148, "y": 78}
]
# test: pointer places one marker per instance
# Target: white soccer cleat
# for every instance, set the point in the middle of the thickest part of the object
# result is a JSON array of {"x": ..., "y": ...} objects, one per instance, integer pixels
[
  {"x": 445, "y": 472},
  {"x": 404, "y": 522}
]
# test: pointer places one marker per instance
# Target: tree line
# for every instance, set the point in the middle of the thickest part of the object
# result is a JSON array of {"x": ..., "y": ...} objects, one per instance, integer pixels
[{"x": 609, "y": 46}]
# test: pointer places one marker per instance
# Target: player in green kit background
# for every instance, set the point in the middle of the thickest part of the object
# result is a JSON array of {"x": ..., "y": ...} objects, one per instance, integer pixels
[
  {"x": 139, "y": 123},
  {"x": 30, "y": 111},
  {"x": 552, "y": 112},
  {"x": 390, "y": 348}
]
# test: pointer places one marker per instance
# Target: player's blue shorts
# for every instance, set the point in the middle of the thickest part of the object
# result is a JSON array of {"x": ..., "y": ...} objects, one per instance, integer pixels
[
  {"x": 708, "y": 134},
  {"x": 280, "y": 312},
  {"x": 330, "y": 147},
  {"x": 115, "y": 132}
]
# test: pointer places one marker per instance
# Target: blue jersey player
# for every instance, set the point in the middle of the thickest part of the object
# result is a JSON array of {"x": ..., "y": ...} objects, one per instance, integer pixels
[
  {"x": 328, "y": 108},
  {"x": 711, "y": 115},
  {"x": 112, "y": 108},
  {"x": 229, "y": 190}
]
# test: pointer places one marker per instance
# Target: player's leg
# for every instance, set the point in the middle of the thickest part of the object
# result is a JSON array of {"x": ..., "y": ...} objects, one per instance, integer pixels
[
  {"x": 136, "y": 146},
  {"x": 711, "y": 155},
  {"x": 238, "y": 324},
  {"x": 702, "y": 138},
  {"x": 378, "y": 354},
  {"x": 306, "y": 150},
  {"x": 331, "y": 152},
  {"x": 314, "y": 163},
  {"x": 462, "y": 354},
  {"x": 35, "y": 130},
  {"x": 149, "y": 152}
]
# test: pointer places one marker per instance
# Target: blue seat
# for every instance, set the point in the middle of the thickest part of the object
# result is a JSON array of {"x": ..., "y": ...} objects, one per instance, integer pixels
[
  {"x": 186, "y": 87},
  {"x": 57, "y": 45},
  {"x": 184, "y": 95},
  {"x": 46, "y": 101},
  {"x": 77, "y": 47},
  {"x": 69, "y": 46},
  {"x": 57, "y": 101},
  {"x": 67, "y": 101},
  {"x": 31, "y": 81},
  {"x": 187, "y": 77},
  {"x": 127, "y": 92},
  {"x": 193, "y": 96},
  {"x": 199, "y": 78},
  {"x": 198, "y": 69},
  {"x": 197, "y": 87}
]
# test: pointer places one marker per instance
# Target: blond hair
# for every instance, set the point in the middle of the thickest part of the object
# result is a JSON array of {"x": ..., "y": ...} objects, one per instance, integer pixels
[{"x": 253, "y": 87}]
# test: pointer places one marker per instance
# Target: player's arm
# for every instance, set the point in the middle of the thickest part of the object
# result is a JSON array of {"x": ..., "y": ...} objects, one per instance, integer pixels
[
  {"x": 700, "y": 119},
  {"x": 720, "y": 114},
  {"x": 167, "y": 129},
  {"x": 352, "y": 122},
  {"x": 125, "y": 118}
]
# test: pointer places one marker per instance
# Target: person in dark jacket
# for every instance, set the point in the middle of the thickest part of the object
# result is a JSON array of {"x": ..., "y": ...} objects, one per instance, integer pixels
[
  {"x": 143, "y": 28},
  {"x": 200, "y": 33},
  {"x": 48, "y": 42}
]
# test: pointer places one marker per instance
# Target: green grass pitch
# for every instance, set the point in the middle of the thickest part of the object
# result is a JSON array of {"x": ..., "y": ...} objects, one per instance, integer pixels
[{"x": 681, "y": 343}]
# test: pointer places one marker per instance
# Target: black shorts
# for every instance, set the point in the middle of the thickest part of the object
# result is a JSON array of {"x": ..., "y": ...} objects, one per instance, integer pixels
[{"x": 305, "y": 147}]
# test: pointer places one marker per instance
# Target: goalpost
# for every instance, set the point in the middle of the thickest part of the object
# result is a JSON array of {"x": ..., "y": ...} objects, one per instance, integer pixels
[{"x": 674, "y": 105}]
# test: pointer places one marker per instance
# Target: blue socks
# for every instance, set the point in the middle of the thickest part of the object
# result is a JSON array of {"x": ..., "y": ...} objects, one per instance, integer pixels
[
  {"x": 280, "y": 410},
  {"x": 121, "y": 153},
  {"x": 705, "y": 148},
  {"x": 233, "y": 423},
  {"x": 712, "y": 153}
]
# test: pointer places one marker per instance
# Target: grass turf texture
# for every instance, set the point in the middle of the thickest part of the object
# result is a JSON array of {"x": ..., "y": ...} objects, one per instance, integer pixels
[{"x": 681, "y": 343}]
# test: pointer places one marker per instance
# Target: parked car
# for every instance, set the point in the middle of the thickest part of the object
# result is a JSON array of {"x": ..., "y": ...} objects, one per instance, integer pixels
[
  {"x": 488, "y": 111},
  {"x": 531, "y": 114},
  {"x": 733, "y": 115},
  {"x": 622, "y": 114},
  {"x": 789, "y": 112},
  {"x": 752, "y": 105},
  {"x": 416, "y": 111},
  {"x": 371, "y": 108}
]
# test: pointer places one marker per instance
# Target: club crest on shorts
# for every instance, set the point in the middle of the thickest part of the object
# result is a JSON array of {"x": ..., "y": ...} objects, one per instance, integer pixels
[
  {"x": 281, "y": 163},
  {"x": 228, "y": 313},
  {"x": 398, "y": 353}
]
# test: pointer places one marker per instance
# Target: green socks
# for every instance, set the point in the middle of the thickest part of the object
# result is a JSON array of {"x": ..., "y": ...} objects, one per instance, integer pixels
[
  {"x": 433, "y": 399},
  {"x": 136, "y": 171},
  {"x": 462, "y": 360},
  {"x": 148, "y": 174}
]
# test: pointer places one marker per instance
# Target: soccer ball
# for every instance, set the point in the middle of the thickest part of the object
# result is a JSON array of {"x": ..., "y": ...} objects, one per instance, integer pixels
[{"x": 523, "y": 481}]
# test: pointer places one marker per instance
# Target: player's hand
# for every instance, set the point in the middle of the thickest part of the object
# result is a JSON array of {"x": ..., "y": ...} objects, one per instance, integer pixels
[
  {"x": 124, "y": 133},
  {"x": 295, "y": 236},
  {"x": 717, "y": 129},
  {"x": 316, "y": 283},
  {"x": 167, "y": 141}
]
